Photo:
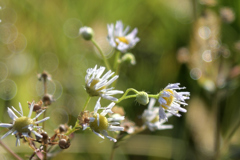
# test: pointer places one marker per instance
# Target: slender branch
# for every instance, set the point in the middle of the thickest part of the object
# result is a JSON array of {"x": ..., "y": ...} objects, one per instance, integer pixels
[
  {"x": 10, "y": 151},
  {"x": 125, "y": 94},
  {"x": 101, "y": 52},
  {"x": 86, "y": 103},
  {"x": 116, "y": 67}
]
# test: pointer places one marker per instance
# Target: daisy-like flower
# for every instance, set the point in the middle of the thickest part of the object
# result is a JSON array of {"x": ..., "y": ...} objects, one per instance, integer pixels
[
  {"x": 97, "y": 85},
  {"x": 119, "y": 39},
  {"x": 151, "y": 119},
  {"x": 22, "y": 125},
  {"x": 171, "y": 100},
  {"x": 100, "y": 124}
]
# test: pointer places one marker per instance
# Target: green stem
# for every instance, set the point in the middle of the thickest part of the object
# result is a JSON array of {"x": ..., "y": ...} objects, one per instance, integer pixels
[
  {"x": 125, "y": 95},
  {"x": 86, "y": 103},
  {"x": 75, "y": 128},
  {"x": 101, "y": 52},
  {"x": 154, "y": 96},
  {"x": 116, "y": 67}
]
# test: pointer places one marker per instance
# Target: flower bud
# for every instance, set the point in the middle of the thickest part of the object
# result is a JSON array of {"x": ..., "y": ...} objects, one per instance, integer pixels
[
  {"x": 86, "y": 32},
  {"x": 142, "y": 98},
  {"x": 129, "y": 58}
]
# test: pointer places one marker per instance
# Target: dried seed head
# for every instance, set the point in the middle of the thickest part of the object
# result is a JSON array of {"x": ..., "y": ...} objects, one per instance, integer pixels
[
  {"x": 44, "y": 137},
  {"x": 37, "y": 106},
  {"x": 64, "y": 141},
  {"x": 84, "y": 119},
  {"x": 44, "y": 76},
  {"x": 47, "y": 99},
  {"x": 63, "y": 128}
]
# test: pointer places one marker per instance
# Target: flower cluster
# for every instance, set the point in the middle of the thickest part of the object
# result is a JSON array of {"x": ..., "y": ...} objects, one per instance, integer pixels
[
  {"x": 22, "y": 126},
  {"x": 100, "y": 124}
]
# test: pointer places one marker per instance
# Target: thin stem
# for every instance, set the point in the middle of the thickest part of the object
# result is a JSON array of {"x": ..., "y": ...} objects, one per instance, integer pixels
[
  {"x": 101, "y": 52},
  {"x": 112, "y": 152},
  {"x": 86, "y": 103},
  {"x": 116, "y": 67},
  {"x": 125, "y": 94},
  {"x": 75, "y": 128},
  {"x": 10, "y": 151}
]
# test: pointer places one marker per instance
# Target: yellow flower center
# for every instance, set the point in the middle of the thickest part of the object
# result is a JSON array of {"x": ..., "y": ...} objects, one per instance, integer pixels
[
  {"x": 103, "y": 123},
  {"x": 91, "y": 91},
  {"x": 122, "y": 39},
  {"x": 169, "y": 99},
  {"x": 21, "y": 124}
]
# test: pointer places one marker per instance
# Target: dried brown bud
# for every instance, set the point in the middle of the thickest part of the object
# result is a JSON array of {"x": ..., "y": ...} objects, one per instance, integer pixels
[
  {"x": 44, "y": 76},
  {"x": 47, "y": 99},
  {"x": 63, "y": 128},
  {"x": 44, "y": 137},
  {"x": 37, "y": 106},
  {"x": 64, "y": 141},
  {"x": 84, "y": 119}
]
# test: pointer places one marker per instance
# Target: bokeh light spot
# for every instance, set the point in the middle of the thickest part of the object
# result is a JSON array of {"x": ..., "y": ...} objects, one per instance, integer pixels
[
  {"x": 49, "y": 62},
  {"x": 8, "y": 15},
  {"x": 207, "y": 56},
  {"x": 78, "y": 64},
  {"x": 195, "y": 73},
  {"x": 3, "y": 71},
  {"x": 8, "y": 89},
  {"x": 71, "y": 27},
  {"x": 51, "y": 88},
  {"x": 204, "y": 32},
  {"x": 8, "y": 33},
  {"x": 59, "y": 116},
  {"x": 19, "y": 44}
]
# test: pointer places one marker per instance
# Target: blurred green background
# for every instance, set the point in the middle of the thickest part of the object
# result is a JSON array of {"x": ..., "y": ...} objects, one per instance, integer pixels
[{"x": 192, "y": 42}]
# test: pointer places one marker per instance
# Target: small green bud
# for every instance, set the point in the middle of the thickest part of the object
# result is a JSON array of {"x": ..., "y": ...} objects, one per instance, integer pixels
[
  {"x": 86, "y": 32},
  {"x": 142, "y": 98},
  {"x": 129, "y": 58}
]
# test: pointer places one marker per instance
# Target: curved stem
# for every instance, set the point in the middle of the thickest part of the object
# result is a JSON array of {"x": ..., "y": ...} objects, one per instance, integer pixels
[
  {"x": 125, "y": 95},
  {"x": 101, "y": 52},
  {"x": 86, "y": 103}
]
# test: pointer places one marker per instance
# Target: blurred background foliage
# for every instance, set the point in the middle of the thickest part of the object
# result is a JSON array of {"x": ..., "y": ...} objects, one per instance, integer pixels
[{"x": 192, "y": 42}]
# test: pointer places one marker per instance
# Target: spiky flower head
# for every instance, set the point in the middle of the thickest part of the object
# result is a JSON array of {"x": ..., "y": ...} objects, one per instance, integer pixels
[
  {"x": 119, "y": 39},
  {"x": 96, "y": 84},
  {"x": 170, "y": 100},
  {"x": 150, "y": 117},
  {"x": 22, "y": 125},
  {"x": 100, "y": 124}
]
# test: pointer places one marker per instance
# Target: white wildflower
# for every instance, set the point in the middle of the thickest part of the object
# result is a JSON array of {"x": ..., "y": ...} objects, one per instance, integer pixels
[
  {"x": 96, "y": 84},
  {"x": 171, "y": 100},
  {"x": 151, "y": 119},
  {"x": 22, "y": 126},
  {"x": 119, "y": 39}
]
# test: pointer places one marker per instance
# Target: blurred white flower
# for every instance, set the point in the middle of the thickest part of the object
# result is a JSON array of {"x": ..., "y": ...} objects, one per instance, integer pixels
[
  {"x": 97, "y": 85},
  {"x": 100, "y": 124},
  {"x": 22, "y": 126},
  {"x": 150, "y": 117},
  {"x": 171, "y": 100},
  {"x": 119, "y": 39}
]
